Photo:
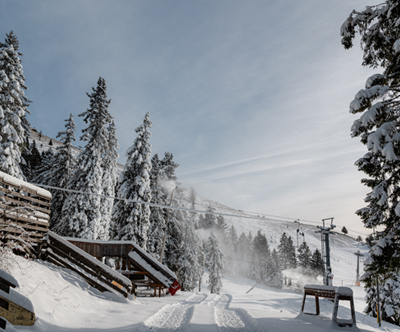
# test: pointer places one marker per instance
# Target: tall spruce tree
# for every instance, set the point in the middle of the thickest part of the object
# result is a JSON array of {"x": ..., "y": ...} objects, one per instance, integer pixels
[
  {"x": 157, "y": 214},
  {"x": 215, "y": 264},
  {"x": 188, "y": 261},
  {"x": 317, "y": 263},
  {"x": 57, "y": 171},
  {"x": 261, "y": 258},
  {"x": 81, "y": 213},
  {"x": 109, "y": 180},
  {"x": 209, "y": 221},
  {"x": 287, "y": 253},
  {"x": 244, "y": 255},
  {"x": 378, "y": 128},
  {"x": 14, "y": 125},
  {"x": 132, "y": 219},
  {"x": 275, "y": 277},
  {"x": 32, "y": 160},
  {"x": 304, "y": 257}
]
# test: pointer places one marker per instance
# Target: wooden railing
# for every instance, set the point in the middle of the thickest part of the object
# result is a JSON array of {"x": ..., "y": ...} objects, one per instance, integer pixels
[{"x": 63, "y": 253}]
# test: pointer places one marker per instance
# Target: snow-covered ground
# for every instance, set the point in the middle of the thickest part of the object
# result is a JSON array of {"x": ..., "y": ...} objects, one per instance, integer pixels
[{"x": 64, "y": 302}]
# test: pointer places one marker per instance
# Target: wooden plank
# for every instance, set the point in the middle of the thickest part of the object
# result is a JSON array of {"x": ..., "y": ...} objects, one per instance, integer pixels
[
  {"x": 36, "y": 239},
  {"x": 21, "y": 218},
  {"x": 8, "y": 203},
  {"x": 130, "y": 272},
  {"x": 16, "y": 223},
  {"x": 56, "y": 260},
  {"x": 93, "y": 273},
  {"x": 45, "y": 203},
  {"x": 24, "y": 209}
]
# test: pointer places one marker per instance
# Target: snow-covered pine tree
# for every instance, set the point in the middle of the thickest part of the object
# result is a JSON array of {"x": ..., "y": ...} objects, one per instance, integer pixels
[
  {"x": 188, "y": 261},
  {"x": 81, "y": 213},
  {"x": 215, "y": 264},
  {"x": 244, "y": 254},
  {"x": 304, "y": 257},
  {"x": 209, "y": 221},
  {"x": 157, "y": 215},
  {"x": 169, "y": 166},
  {"x": 192, "y": 198},
  {"x": 221, "y": 232},
  {"x": 132, "y": 219},
  {"x": 344, "y": 230},
  {"x": 56, "y": 169},
  {"x": 261, "y": 258},
  {"x": 32, "y": 159},
  {"x": 317, "y": 263},
  {"x": 287, "y": 253},
  {"x": 231, "y": 251},
  {"x": 275, "y": 277},
  {"x": 13, "y": 107},
  {"x": 391, "y": 299},
  {"x": 109, "y": 180},
  {"x": 379, "y": 130}
]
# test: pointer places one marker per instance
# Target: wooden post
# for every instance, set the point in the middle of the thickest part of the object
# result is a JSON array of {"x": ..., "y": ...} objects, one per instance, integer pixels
[
  {"x": 304, "y": 302},
  {"x": 335, "y": 308}
]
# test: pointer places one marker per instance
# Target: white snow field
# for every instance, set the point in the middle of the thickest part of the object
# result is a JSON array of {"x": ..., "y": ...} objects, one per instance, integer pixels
[{"x": 64, "y": 302}]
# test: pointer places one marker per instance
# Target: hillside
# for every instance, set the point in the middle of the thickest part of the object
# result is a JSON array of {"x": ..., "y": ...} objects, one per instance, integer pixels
[{"x": 248, "y": 222}]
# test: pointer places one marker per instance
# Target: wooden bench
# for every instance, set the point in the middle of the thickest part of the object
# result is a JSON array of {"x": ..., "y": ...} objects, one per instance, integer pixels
[
  {"x": 336, "y": 294},
  {"x": 14, "y": 307}
]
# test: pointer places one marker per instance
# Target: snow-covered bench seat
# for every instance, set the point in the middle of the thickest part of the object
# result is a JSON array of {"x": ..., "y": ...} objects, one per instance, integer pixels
[
  {"x": 14, "y": 307},
  {"x": 335, "y": 293}
]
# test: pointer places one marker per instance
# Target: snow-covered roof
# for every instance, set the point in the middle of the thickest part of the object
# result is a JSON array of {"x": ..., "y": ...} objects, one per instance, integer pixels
[
  {"x": 18, "y": 299},
  {"x": 21, "y": 183},
  {"x": 8, "y": 278},
  {"x": 65, "y": 242}
]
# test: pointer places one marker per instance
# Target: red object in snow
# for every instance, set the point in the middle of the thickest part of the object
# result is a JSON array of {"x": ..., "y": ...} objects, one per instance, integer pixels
[{"x": 174, "y": 287}]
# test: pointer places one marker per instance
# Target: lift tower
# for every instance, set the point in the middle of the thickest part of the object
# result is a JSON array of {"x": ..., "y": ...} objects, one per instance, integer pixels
[
  {"x": 358, "y": 254},
  {"x": 325, "y": 231}
]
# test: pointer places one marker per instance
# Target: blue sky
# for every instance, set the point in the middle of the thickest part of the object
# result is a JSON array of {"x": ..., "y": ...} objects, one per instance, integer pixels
[{"x": 251, "y": 97}]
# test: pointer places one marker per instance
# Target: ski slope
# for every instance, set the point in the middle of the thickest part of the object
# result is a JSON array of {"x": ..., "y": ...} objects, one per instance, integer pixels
[{"x": 64, "y": 302}]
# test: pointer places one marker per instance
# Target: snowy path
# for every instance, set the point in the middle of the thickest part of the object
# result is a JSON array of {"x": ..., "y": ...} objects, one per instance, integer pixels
[{"x": 200, "y": 312}]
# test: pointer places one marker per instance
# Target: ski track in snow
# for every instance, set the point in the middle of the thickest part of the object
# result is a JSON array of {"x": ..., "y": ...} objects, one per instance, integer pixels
[
  {"x": 191, "y": 315},
  {"x": 232, "y": 319},
  {"x": 172, "y": 317}
]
